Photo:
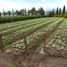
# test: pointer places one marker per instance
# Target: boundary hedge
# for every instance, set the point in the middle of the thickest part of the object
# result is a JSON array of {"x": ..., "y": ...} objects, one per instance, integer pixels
[{"x": 16, "y": 18}]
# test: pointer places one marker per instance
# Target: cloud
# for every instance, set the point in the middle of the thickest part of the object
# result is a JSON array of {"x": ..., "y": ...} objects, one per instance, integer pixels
[
  {"x": 9, "y": 5},
  {"x": 50, "y": 5},
  {"x": 19, "y": 4}
]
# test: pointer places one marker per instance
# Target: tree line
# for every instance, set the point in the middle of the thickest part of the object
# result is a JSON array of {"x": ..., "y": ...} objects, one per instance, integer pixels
[
  {"x": 34, "y": 12},
  {"x": 58, "y": 12},
  {"x": 24, "y": 12}
]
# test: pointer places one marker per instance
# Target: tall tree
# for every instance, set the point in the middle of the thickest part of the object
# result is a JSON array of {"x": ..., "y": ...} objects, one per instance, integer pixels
[
  {"x": 9, "y": 13},
  {"x": 4, "y": 13},
  {"x": 17, "y": 13},
  {"x": 13, "y": 12},
  {"x": 41, "y": 11},
  {"x": 33, "y": 11},
  {"x": 53, "y": 12},
  {"x": 28, "y": 12},
  {"x": 57, "y": 11},
  {"x": 25, "y": 11},
  {"x": 22, "y": 12},
  {"x": 0, "y": 13},
  {"x": 64, "y": 9}
]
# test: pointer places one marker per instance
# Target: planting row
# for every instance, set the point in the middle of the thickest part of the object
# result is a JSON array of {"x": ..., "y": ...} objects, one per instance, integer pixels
[
  {"x": 59, "y": 39},
  {"x": 26, "y": 32},
  {"x": 37, "y": 34}
]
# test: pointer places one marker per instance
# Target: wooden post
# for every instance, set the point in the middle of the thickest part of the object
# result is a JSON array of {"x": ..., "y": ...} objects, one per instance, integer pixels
[
  {"x": 1, "y": 43},
  {"x": 25, "y": 43},
  {"x": 45, "y": 37}
]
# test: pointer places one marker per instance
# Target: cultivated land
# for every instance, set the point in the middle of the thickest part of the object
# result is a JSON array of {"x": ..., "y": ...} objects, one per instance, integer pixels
[{"x": 43, "y": 38}]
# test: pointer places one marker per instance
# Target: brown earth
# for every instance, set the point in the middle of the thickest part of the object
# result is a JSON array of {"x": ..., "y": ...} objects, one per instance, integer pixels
[{"x": 33, "y": 60}]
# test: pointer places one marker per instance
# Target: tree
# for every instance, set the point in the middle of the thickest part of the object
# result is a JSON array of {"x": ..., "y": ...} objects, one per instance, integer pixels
[
  {"x": 25, "y": 11},
  {"x": 22, "y": 12},
  {"x": 64, "y": 9},
  {"x": 9, "y": 13},
  {"x": 41, "y": 11},
  {"x": 53, "y": 12},
  {"x": 4, "y": 13},
  {"x": 50, "y": 14},
  {"x": 17, "y": 13},
  {"x": 28, "y": 12},
  {"x": 33, "y": 11},
  {"x": 0, "y": 13},
  {"x": 57, "y": 11},
  {"x": 13, "y": 12}
]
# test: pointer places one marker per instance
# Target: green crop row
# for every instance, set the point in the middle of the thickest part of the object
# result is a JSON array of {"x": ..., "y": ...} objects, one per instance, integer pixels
[
  {"x": 24, "y": 27},
  {"x": 37, "y": 34},
  {"x": 31, "y": 30}
]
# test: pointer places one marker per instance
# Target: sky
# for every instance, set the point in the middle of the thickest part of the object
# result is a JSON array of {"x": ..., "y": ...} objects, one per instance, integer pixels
[{"x": 28, "y": 4}]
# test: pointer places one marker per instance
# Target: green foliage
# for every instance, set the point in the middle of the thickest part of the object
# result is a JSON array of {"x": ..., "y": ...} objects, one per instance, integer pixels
[
  {"x": 51, "y": 13},
  {"x": 64, "y": 9},
  {"x": 0, "y": 13},
  {"x": 28, "y": 27},
  {"x": 9, "y": 13},
  {"x": 65, "y": 15},
  {"x": 57, "y": 11},
  {"x": 33, "y": 11},
  {"x": 13, "y": 12},
  {"x": 4, "y": 13},
  {"x": 16, "y": 18},
  {"x": 11, "y": 65},
  {"x": 41, "y": 11}
]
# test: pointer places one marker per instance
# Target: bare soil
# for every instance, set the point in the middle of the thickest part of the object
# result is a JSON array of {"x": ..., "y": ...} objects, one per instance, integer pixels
[{"x": 40, "y": 59}]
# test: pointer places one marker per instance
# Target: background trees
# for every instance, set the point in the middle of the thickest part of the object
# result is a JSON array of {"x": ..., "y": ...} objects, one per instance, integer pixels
[
  {"x": 59, "y": 11},
  {"x": 4, "y": 13},
  {"x": 9, "y": 13},
  {"x": 17, "y": 13},
  {"x": 34, "y": 12},
  {"x": 13, "y": 12},
  {"x": 0, "y": 13},
  {"x": 64, "y": 9},
  {"x": 41, "y": 11}
]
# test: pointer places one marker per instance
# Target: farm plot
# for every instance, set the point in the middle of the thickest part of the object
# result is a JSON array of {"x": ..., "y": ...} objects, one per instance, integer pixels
[
  {"x": 38, "y": 33},
  {"x": 10, "y": 31},
  {"x": 58, "y": 41},
  {"x": 55, "y": 40}
]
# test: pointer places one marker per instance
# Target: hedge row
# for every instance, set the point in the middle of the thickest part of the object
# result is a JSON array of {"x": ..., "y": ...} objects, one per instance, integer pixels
[{"x": 16, "y": 18}]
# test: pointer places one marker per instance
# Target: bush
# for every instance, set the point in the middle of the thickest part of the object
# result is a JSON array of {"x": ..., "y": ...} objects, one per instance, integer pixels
[{"x": 16, "y": 18}]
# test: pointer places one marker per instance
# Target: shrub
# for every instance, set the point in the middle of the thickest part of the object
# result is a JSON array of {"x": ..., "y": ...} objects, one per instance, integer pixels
[{"x": 16, "y": 18}]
